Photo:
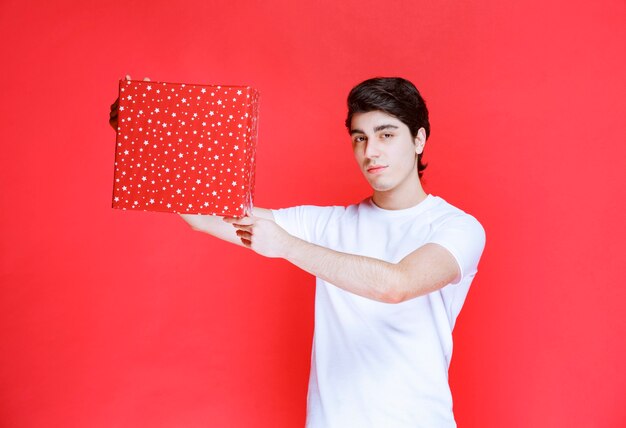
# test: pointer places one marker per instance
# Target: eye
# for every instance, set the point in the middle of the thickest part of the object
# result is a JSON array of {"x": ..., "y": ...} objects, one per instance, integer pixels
[
  {"x": 358, "y": 139},
  {"x": 387, "y": 135}
]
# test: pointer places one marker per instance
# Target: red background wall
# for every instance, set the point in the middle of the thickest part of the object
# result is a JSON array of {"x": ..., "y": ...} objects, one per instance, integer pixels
[{"x": 129, "y": 319}]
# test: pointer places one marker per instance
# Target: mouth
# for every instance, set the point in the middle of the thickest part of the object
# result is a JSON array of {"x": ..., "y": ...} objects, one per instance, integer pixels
[{"x": 376, "y": 169}]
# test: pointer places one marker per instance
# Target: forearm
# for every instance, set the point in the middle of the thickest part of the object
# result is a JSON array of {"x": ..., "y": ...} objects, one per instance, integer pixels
[
  {"x": 365, "y": 276},
  {"x": 213, "y": 225},
  {"x": 420, "y": 272}
]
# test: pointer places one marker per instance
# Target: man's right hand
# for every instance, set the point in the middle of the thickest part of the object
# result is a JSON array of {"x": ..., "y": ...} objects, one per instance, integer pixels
[{"x": 115, "y": 107}]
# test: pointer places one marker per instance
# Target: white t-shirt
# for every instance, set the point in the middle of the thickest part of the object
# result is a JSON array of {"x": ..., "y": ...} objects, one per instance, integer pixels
[{"x": 377, "y": 364}]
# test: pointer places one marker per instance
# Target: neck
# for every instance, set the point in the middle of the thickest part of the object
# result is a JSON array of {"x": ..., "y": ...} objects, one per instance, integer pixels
[{"x": 399, "y": 199}]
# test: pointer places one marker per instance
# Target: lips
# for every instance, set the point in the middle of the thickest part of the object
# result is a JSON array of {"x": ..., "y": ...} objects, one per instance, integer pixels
[{"x": 375, "y": 169}]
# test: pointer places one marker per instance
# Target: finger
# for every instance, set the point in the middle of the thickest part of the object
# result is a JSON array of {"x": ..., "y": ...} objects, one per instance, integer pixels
[
  {"x": 243, "y": 221},
  {"x": 146, "y": 79},
  {"x": 128, "y": 77},
  {"x": 246, "y": 242},
  {"x": 243, "y": 227},
  {"x": 244, "y": 234}
]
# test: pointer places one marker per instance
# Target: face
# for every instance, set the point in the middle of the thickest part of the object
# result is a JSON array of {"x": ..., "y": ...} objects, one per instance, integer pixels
[{"x": 386, "y": 151}]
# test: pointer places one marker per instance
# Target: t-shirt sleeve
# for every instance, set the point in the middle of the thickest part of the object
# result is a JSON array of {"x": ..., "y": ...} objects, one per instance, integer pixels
[
  {"x": 464, "y": 237},
  {"x": 307, "y": 222}
]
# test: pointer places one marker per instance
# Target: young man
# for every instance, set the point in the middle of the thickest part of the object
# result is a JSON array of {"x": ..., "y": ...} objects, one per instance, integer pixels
[{"x": 392, "y": 272}]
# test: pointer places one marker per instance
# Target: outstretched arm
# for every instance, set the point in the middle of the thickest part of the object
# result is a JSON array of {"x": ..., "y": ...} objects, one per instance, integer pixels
[{"x": 426, "y": 269}]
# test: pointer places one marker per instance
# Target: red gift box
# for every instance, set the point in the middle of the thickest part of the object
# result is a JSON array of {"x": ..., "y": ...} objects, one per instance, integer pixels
[{"x": 185, "y": 148}]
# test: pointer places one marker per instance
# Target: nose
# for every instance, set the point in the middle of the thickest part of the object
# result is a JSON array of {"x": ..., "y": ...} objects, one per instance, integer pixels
[{"x": 371, "y": 149}]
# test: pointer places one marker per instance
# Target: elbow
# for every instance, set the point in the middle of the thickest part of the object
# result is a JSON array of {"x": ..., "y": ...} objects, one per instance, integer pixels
[
  {"x": 394, "y": 292},
  {"x": 190, "y": 222},
  {"x": 394, "y": 297},
  {"x": 194, "y": 227}
]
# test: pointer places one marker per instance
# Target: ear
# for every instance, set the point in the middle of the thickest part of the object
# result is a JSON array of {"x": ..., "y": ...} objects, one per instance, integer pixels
[{"x": 420, "y": 140}]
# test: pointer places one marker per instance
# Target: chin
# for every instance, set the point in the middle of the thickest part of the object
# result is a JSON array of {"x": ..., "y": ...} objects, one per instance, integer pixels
[
  {"x": 380, "y": 187},
  {"x": 379, "y": 183}
]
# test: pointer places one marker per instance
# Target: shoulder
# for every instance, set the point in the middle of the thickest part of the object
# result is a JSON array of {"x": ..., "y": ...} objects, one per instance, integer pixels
[
  {"x": 307, "y": 212},
  {"x": 323, "y": 211},
  {"x": 308, "y": 221},
  {"x": 446, "y": 215},
  {"x": 461, "y": 234},
  {"x": 454, "y": 228}
]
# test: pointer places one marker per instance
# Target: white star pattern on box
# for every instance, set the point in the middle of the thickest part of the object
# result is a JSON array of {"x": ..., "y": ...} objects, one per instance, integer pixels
[{"x": 162, "y": 155}]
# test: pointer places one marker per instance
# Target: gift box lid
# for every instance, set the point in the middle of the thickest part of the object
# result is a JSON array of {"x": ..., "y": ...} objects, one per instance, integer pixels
[{"x": 185, "y": 148}]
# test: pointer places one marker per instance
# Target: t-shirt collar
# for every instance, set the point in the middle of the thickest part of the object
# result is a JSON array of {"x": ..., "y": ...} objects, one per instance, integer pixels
[{"x": 415, "y": 209}]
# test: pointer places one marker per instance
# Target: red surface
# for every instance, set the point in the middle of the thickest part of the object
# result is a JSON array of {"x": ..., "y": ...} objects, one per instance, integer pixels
[
  {"x": 112, "y": 318},
  {"x": 185, "y": 148}
]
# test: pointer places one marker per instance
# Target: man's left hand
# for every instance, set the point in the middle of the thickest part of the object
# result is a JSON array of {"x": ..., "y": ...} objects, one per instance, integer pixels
[{"x": 263, "y": 236}]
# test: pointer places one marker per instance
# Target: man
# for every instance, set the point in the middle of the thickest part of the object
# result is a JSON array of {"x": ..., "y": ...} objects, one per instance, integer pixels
[{"x": 392, "y": 272}]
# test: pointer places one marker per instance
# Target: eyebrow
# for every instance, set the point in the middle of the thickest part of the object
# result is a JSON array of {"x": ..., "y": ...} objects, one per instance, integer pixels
[{"x": 376, "y": 129}]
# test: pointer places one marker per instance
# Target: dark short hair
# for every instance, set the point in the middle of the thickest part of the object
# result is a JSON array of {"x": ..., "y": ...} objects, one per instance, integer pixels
[{"x": 395, "y": 96}]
